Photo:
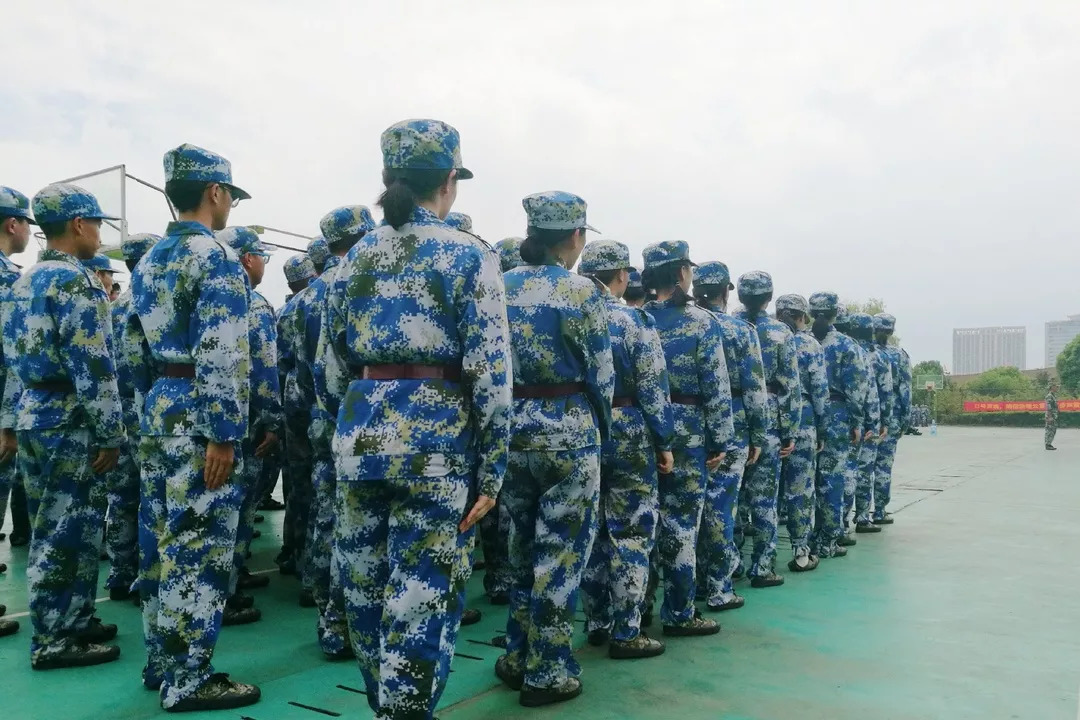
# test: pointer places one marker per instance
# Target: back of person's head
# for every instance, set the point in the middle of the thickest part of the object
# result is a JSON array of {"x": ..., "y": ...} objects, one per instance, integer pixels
[{"x": 418, "y": 158}]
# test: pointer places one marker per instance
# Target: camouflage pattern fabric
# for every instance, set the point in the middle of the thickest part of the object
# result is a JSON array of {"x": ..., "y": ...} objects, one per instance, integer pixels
[
  {"x": 900, "y": 367},
  {"x": 193, "y": 163},
  {"x": 423, "y": 145},
  {"x": 61, "y": 202},
  {"x": 298, "y": 460},
  {"x": 881, "y": 387},
  {"x": 799, "y": 470},
  {"x": 509, "y": 251},
  {"x": 12, "y": 203},
  {"x": 1051, "y": 418},
  {"x": 866, "y": 450},
  {"x": 494, "y": 535}
]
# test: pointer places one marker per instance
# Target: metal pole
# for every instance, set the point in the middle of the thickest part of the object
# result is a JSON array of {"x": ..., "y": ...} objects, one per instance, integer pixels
[
  {"x": 172, "y": 210},
  {"x": 96, "y": 172},
  {"x": 123, "y": 205}
]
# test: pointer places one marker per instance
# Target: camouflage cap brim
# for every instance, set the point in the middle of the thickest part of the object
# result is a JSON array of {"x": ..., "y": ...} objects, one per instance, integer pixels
[
  {"x": 239, "y": 193},
  {"x": 464, "y": 174}
]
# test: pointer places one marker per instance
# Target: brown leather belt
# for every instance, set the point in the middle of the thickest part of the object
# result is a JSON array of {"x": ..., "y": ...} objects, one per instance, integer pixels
[
  {"x": 684, "y": 399},
  {"x": 410, "y": 371},
  {"x": 178, "y": 370},
  {"x": 837, "y": 395},
  {"x": 621, "y": 401},
  {"x": 53, "y": 386},
  {"x": 557, "y": 390}
]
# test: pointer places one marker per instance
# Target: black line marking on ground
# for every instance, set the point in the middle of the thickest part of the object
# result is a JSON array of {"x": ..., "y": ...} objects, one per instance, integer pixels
[
  {"x": 331, "y": 713},
  {"x": 352, "y": 690},
  {"x": 480, "y": 642},
  {"x": 926, "y": 489},
  {"x": 470, "y": 657}
]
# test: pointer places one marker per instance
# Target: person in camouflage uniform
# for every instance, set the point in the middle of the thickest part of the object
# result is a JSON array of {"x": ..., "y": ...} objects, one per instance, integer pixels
[
  {"x": 762, "y": 482},
  {"x": 701, "y": 408},
  {"x": 509, "y": 251},
  {"x": 900, "y": 367},
  {"x": 342, "y": 228},
  {"x": 122, "y": 530},
  {"x": 69, "y": 424},
  {"x": 15, "y": 222},
  {"x": 613, "y": 587},
  {"x": 190, "y": 301},
  {"x": 867, "y": 447},
  {"x": 635, "y": 293},
  {"x": 877, "y": 429},
  {"x": 415, "y": 344},
  {"x": 1051, "y": 416},
  {"x": 799, "y": 470},
  {"x": 265, "y": 418},
  {"x": 299, "y": 272},
  {"x": 843, "y": 423},
  {"x": 718, "y": 556}
]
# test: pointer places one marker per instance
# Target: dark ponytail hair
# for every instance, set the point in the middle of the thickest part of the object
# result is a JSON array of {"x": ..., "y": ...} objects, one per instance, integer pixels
[
  {"x": 605, "y": 276},
  {"x": 666, "y": 277},
  {"x": 789, "y": 317},
  {"x": 755, "y": 303},
  {"x": 539, "y": 242},
  {"x": 404, "y": 189},
  {"x": 634, "y": 294},
  {"x": 711, "y": 294}
]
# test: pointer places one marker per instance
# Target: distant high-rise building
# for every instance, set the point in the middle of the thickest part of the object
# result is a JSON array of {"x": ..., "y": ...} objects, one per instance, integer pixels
[
  {"x": 1060, "y": 333},
  {"x": 976, "y": 350}
]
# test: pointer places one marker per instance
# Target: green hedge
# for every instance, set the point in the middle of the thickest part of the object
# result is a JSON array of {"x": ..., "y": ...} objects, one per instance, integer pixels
[{"x": 1009, "y": 419}]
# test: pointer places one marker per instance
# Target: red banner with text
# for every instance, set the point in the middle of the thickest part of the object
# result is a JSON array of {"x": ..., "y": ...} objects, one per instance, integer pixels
[{"x": 1018, "y": 406}]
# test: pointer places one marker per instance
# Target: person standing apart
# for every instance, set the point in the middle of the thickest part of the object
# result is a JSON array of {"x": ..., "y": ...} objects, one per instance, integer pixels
[{"x": 1051, "y": 416}]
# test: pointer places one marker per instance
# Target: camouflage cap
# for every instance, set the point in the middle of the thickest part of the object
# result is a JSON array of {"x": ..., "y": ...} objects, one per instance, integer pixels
[
  {"x": 190, "y": 162},
  {"x": 347, "y": 222},
  {"x": 423, "y": 145},
  {"x": 459, "y": 221},
  {"x": 604, "y": 255},
  {"x": 713, "y": 273},
  {"x": 243, "y": 240},
  {"x": 884, "y": 322},
  {"x": 664, "y": 252},
  {"x": 824, "y": 302},
  {"x": 795, "y": 303},
  {"x": 319, "y": 252},
  {"x": 841, "y": 316},
  {"x": 635, "y": 280},
  {"x": 61, "y": 202},
  {"x": 755, "y": 282},
  {"x": 509, "y": 250},
  {"x": 556, "y": 210},
  {"x": 299, "y": 268},
  {"x": 99, "y": 263},
  {"x": 14, "y": 204},
  {"x": 135, "y": 246},
  {"x": 860, "y": 321}
]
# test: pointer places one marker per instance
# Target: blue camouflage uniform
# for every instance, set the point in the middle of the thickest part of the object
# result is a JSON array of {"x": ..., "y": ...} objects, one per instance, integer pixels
[
  {"x": 563, "y": 385},
  {"x": 718, "y": 555},
  {"x": 191, "y": 307},
  {"x": 866, "y": 450},
  {"x": 415, "y": 345},
  {"x": 900, "y": 367},
  {"x": 66, "y": 407},
  {"x": 12, "y": 204},
  {"x": 762, "y": 482},
  {"x": 846, "y": 412},
  {"x": 613, "y": 588},
  {"x": 701, "y": 406},
  {"x": 509, "y": 252},
  {"x": 799, "y": 470},
  {"x": 881, "y": 390},
  {"x": 265, "y": 415},
  {"x": 122, "y": 530}
]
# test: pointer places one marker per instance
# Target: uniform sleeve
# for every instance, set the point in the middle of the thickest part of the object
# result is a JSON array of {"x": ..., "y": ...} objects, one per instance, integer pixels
[
  {"x": 854, "y": 375},
  {"x": 715, "y": 389},
  {"x": 653, "y": 388},
  {"x": 286, "y": 360},
  {"x": 884, "y": 392},
  {"x": 872, "y": 418},
  {"x": 83, "y": 324},
  {"x": 221, "y": 352},
  {"x": 332, "y": 352},
  {"x": 599, "y": 364},
  {"x": 905, "y": 389},
  {"x": 305, "y": 354},
  {"x": 789, "y": 398},
  {"x": 266, "y": 412},
  {"x": 755, "y": 395},
  {"x": 819, "y": 389}
]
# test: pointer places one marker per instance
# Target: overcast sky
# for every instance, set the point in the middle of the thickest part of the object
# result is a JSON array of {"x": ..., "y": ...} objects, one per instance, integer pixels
[{"x": 923, "y": 152}]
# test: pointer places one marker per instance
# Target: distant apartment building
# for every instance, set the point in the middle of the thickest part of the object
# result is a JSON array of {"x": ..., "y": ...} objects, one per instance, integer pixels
[
  {"x": 1060, "y": 333},
  {"x": 977, "y": 350}
]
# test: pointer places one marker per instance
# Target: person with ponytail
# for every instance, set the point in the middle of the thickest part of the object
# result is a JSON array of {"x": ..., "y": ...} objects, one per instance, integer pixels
[
  {"x": 563, "y": 386},
  {"x": 843, "y": 424},
  {"x": 717, "y": 554},
  {"x": 635, "y": 292},
  {"x": 613, "y": 590},
  {"x": 762, "y": 482},
  {"x": 414, "y": 361},
  {"x": 704, "y": 432},
  {"x": 799, "y": 469}
]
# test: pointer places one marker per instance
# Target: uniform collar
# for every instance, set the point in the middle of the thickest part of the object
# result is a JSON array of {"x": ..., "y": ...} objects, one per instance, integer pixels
[{"x": 187, "y": 227}]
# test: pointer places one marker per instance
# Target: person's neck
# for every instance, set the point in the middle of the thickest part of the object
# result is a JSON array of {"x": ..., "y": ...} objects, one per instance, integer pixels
[
  {"x": 200, "y": 215},
  {"x": 665, "y": 294},
  {"x": 63, "y": 244},
  {"x": 7, "y": 245},
  {"x": 433, "y": 207}
]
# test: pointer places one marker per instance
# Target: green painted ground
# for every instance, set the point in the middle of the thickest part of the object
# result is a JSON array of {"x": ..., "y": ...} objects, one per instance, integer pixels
[{"x": 960, "y": 610}]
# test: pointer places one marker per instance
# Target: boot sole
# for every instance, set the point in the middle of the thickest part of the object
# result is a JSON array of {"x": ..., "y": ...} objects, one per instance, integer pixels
[
  {"x": 795, "y": 568},
  {"x": 872, "y": 529},
  {"x": 676, "y": 631},
  {"x": 726, "y": 606},
  {"x": 193, "y": 705},
  {"x": 511, "y": 681},
  {"x": 58, "y": 664},
  {"x": 763, "y": 585},
  {"x": 616, "y": 653},
  {"x": 256, "y": 617},
  {"x": 539, "y": 698}
]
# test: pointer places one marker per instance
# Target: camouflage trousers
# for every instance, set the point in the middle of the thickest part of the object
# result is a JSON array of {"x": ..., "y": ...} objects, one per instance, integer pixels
[
  {"x": 851, "y": 484},
  {"x": 799, "y": 475},
  {"x": 66, "y": 501},
  {"x": 717, "y": 555},
  {"x": 613, "y": 586},
  {"x": 8, "y": 475},
  {"x": 832, "y": 473},
  {"x": 297, "y": 469},
  {"x": 1050, "y": 432},
  {"x": 404, "y": 568},
  {"x": 494, "y": 534},
  {"x": 187, "y": 541},
  {"x": 864, "y": 490},
  {"x": 122, "y": 530},
  {"x": 761, "y": 488},
  {"x": 248, "y": 484},
  {"x": 322, "y": 563},
  {"x": 552, "y": 497},
  {"x": 682, "y": 500},
  {"x": 883, "y": 474}
]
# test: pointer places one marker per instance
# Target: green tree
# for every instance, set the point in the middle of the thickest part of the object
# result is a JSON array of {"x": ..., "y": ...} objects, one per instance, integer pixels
[
  {"x": 1006, "y": 383},
  {"x": 1068, "y": 367},
  {"x": 871, "y": 307}
]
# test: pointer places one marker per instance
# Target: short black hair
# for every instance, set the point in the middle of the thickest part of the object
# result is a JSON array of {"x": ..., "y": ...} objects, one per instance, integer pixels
[
  {"x": 755, "y": 303},
  {"x": 664, "y": 277},
  {"x": 634, "y": 294},
  {"x": 538, "y": 241},
  {"x": 185, "y": 195},
  {"x": 605, "y": 276},
  {"x": 345, "y": 243},
  {"x": 53, "y": 230}
]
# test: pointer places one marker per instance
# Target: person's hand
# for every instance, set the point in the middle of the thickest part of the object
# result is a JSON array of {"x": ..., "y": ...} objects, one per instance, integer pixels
[
  {"x": 9, "y": 446},
  {"x": 267, "y": 445},
  {"x": 480, "y": 508},
  {"x": 105, "y": 460},
  {"x": 855, "y": 436},
  {"x": 787, "y": 449},
  {"x": 869, "y": 435},
  {"x": 754, "y": 456},
  {"x": 884, "y": 433},
  {"x": 665, "y": 462},
  {"x": 219, "y": 464},
  {"x": 714, "y": 460},
  {"x": 820, "y": 445}
]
